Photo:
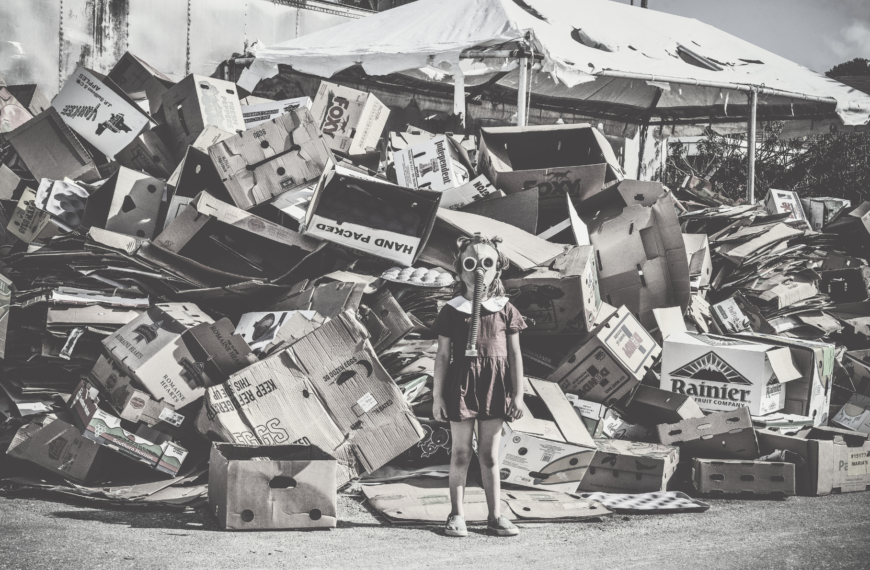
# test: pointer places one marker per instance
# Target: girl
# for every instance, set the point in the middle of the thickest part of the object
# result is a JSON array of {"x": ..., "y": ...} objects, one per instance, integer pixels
[{"x": 487, "y": 387}]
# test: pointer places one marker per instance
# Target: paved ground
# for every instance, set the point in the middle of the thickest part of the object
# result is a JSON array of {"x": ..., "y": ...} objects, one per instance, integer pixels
[{"x": 801, "y": 532}]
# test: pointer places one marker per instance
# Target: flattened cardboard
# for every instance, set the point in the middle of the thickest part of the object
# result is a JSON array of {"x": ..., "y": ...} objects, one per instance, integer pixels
[
  {"x": 140, "y": 80},
  {"x": 57, "y": 445},
  {"x": 722, "y": 373},
  {"x": 49, "y": 149},
  {"x": 147, "y": 153},
  {"x": 652, "y": 406},
  {"x": 256, "y": 114},
  {"x": 371, "y": 216},
  {"x": 641, "y": 255},
  {"x": 427, "y": 501},
  {"x": 176, "y": 352},
  {"x": 328, "y": 389},
  {"x": 99, "y": 111},
  {"x": 438, "y": 164},
  {"x": 272, "y": 487},
  {"x": 278, "y": 156},
  {"x": 6, "y": 288},
  {"x": 630, "y": 467},
  {"x": 854, "y": 415},
  {"x": 196, "y": 102},
  {"x": 721, "y": 435},
  {"x": 731, "y": 477},
  {"x": 558, "y": 160},
  {"x": 608, "y": 363},
  {"x": 12, "y": 113},
  {"x": 561, "y": 298},
  {"x": 785, "y": 202},
  {"x": 809, "y": 395},
  {"x": 351, "y": 121},
  {"x": 525, "y": 251}
]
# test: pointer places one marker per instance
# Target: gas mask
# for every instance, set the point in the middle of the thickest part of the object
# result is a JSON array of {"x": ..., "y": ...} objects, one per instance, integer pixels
[{"x": 478, "y": 266}]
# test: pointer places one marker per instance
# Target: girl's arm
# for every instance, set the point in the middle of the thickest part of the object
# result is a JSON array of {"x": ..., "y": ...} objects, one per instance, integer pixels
[
  {"x": 518, "y": 377},
  {"x": 442, "y": 362}
]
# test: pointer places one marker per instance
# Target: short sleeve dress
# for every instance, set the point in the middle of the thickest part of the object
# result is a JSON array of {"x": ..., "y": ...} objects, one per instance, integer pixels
[{"x": 479, "y": 387}]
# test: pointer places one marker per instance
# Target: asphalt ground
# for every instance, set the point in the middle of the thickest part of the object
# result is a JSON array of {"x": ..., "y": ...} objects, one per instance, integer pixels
[{"x": 798, "y": 532}]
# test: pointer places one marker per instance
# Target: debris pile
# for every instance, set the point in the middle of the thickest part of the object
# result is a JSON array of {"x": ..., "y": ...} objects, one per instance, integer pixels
[{"x": 207, "y": 295}]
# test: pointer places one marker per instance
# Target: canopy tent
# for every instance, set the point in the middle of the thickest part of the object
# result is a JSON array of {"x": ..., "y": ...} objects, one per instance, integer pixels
[{"x": 596, "y": 57}]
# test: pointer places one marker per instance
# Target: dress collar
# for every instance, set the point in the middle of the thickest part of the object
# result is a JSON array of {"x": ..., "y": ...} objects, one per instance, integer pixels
[{"x": 463, "y": 305}]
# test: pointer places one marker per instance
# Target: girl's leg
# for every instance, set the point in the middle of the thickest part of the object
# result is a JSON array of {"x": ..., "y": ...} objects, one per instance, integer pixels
[
  {"x": 488, "y": 439},
  {"x": 460, "y": 458}
]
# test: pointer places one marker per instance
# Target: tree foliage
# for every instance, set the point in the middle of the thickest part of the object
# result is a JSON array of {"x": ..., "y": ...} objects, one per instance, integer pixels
[
  {"x": 857, "y": 66},
  {"x": 835, "y": 164}
]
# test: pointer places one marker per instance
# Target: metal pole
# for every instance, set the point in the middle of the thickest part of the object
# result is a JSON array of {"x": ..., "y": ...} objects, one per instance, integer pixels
[
  {"x": 522, "y": 91},
  {"x": 459, "y": 95},
  {"x": 750, "y": 148}
]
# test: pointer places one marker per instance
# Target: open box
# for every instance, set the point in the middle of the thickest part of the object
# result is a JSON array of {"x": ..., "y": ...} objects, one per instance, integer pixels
[{"x": 370, "y": 215}]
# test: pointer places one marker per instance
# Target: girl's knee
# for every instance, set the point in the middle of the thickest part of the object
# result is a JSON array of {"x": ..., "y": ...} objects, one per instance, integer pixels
[
  {"x": 461, "y": 455},
  {"x": 488, "y": 460}
]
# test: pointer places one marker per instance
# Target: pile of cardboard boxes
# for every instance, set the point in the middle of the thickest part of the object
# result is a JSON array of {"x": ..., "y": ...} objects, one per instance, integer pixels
[{"x": 204, "y": 293}]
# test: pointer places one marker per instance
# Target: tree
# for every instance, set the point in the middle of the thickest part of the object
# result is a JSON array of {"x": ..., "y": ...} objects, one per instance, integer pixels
[{"x": 858, "y": 66}]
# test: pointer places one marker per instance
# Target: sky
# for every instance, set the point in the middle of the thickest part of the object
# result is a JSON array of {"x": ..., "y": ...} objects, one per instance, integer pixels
[{"x": 814, "y": 33}]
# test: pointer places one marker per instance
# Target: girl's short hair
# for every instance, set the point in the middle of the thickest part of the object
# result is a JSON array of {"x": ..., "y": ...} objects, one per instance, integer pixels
[{"x": 496, "y": 288}]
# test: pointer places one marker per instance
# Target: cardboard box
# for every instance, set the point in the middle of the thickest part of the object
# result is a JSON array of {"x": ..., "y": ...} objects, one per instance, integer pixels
[
  {"x": 99, "y": 111},
  {"x": 10, "y": 183},
  {"x": 258, "y": 113},
  {"x": 850, "y": 285},
  {"x": 809, "y": 395},
  {"x": 604, "y": 422},
  {"x": 31, "y": 96},
  {"x": 49, "y": 149},
  {"x": 327, "y": 389},
  {"x": 106, "y": 430},
  {"x": 630, "y": 467},
  {"x": 351, "y": 121},
  {"x": 230, "y": 245},
  {"x": 6, "y": 289},
  {"x": 736, "y": 315},
  {"x": 175, "y": 351},
  {"x": 141, "y": 81},
  {"x": 785, "y": 202},
  {"x": 561, "y": 298},
  {"x": 653, "y": 406},
  {"x": 196, "y": 173},
  {"x": 721, "y": 435},
  {"x": 261, "y": 329},
  {"x": 542, "y": 453},
  {"x": 371, "y": 216},
  {"x": 272, "y": 487},
  {"x": 196, "y": 102},
  {"x": 700, "y": 263},
  {"x": 722, "y": 373},
  {"x": 782, "y": 423},
  {"x": 820, "y": 211},
  {"x": 147, "y": 153},
  {"x": 641, "y": 254},
  {"x": 28, "y": 222},
  {"x": 52, "y": 442},
  {"x": 130, "y": 403},
  {"x": 723, "y": 477},
  {"x": 855, "y": 415},
  {"x": 436, "y": 164},
  {"x": 12, "y": 113},
  {"x": 836, "y": 460},
  {"x": 133, "y": 200},
  {"x": 558, "y": 160},
  {"x": 608, "y": 363},
  {"x": 277, "y": 156},
  {"x": 474, "y": 191}
]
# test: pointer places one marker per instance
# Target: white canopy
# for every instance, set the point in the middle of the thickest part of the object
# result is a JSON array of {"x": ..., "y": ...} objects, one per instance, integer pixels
[{"x": 599, "y": 57}]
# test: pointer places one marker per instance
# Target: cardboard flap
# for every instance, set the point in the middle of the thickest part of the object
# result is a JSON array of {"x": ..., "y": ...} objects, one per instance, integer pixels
[
  {"x": 669, "y": 320},
  {"x": 783, "y": 366},
  {"x": 581, "y": 232},
  {"x": 567, "y": 420},
  {"x": 519, "y": 210}
]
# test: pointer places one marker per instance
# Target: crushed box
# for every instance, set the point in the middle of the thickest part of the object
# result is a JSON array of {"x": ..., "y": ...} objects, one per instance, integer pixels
[
  {"x": 653, "y": 406},
  {"x": 272, "y": 487},
  {"x": 351, "y": 121}
]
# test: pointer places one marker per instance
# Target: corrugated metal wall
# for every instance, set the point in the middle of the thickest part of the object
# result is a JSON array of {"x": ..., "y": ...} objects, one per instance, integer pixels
[{"x": 43, "y": 41}]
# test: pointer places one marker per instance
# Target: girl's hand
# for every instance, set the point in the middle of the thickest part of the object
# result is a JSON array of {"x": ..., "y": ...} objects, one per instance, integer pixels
[
  {"x": 439, "y": 410},
  {"x": 517, "y": 409}
]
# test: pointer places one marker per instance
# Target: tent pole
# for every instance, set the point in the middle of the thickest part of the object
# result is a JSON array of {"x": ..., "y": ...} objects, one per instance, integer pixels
[
  {"x": 522, "y": 91},
  {"x": 750, "y": 148}
]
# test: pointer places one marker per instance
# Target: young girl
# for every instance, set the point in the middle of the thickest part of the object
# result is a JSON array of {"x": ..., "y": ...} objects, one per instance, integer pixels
[{"x": 487, "y": 387}]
